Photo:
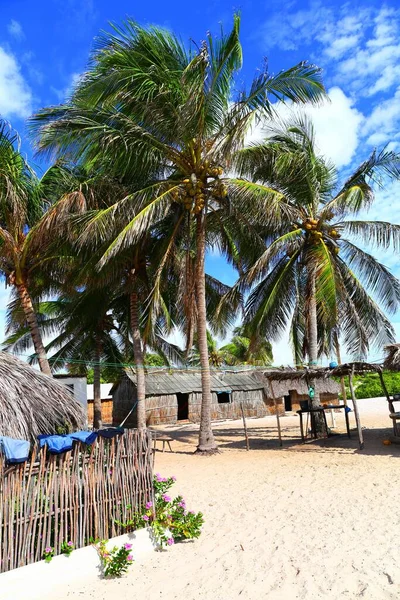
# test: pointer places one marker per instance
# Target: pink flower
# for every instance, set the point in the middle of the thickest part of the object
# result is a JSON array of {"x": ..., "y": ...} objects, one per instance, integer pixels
[
  {"x": 173, "y": 478},
  {"x": 129, "y": 558},
  {"x": 127, "y": 546},
  {"x": 145, "y": 518},
  {"x": 70, "y": 544},
  {"x": 182, "y": 504},
  {"x": 191, "y": 512},
  {"x": 170, "y": 541},
  {"x": 149, "y": 505},
  {"x": 166, "y": 498},
  {"x": 48, "y": 549}
]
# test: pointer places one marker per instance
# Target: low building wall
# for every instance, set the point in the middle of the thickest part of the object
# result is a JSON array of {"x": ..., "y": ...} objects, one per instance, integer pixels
[{"x": 82, "y": 566}]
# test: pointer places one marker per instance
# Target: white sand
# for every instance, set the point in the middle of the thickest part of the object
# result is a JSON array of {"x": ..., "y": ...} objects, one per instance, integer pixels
[{"x": 307, "y": 521}]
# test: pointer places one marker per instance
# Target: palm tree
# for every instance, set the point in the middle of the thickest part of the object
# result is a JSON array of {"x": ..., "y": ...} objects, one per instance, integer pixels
[
  {"x": 20, "y": 248},
  {"x": 243, "y": 350},
  {"x": 84, "y": 333},
  {"x": 313, "y": 275},
  {"x": 166, "y": 114}
]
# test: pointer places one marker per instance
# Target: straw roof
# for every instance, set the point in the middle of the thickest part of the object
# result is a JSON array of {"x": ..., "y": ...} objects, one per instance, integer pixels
[
  {"x": 392, "y": 360},
  {"x": 284, "y": 380},
  {"x": 164, "y": 382},
  {"x": 32, "y": 403}
]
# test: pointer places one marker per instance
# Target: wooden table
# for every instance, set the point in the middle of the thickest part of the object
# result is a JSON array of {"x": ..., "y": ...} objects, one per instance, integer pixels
[
  {"x": 165, "y": 441},
  {"x": 321, "y": 410}
]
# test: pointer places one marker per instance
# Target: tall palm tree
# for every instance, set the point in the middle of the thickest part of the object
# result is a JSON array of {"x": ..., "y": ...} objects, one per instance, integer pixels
[
  {"x": 152, "y": 108},
  {"x": 21, "y": 207},
  {"x": 313, "y": 275}
]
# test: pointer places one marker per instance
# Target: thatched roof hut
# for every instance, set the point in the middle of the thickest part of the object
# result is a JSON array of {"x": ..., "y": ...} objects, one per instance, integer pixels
[
  {"x": 174, "y": 396},
  {"x": 392, "y": 360},
  {"x": 287, "y": 379},
  {"x": 32, "y": 403}
]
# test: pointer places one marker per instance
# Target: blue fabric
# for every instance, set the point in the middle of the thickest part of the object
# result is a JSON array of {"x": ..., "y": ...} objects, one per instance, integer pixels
[
  {"x": 110, "y": 432},
  {"x": 56, "y": 443},
  {"x": 15, "y": 451},
  {"x": 347, "y": 409},
  {"x": 87, "y": 437}
]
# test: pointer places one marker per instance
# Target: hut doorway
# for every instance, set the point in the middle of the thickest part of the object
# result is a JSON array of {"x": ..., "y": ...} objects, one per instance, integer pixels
[
  {"x": 288, "y": 403},
  {"x": 183, "y": 406}
]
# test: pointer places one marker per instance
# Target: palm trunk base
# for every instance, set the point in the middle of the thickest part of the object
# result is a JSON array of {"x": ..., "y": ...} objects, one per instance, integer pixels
[{"x": 207, "y": 451}]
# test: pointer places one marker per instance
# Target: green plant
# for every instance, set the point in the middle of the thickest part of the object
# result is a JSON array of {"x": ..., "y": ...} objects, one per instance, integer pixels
[
  {"x": 115, "y": 562},
  {"x": 48, "y": 554},
  {"x": 169, "y": 519},
  {"x": 67, "y": 548}
]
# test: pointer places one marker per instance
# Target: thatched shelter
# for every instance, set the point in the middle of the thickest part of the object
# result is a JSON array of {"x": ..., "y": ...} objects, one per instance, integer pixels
[
  {"x": 290, "y": 388},
  {"x": 392, "y": 359},
  {"x": 322, "y": 375},
  {"x": 32, "y": 403}
]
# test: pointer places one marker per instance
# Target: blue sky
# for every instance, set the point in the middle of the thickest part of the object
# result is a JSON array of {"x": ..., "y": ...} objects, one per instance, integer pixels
[{"x": 44, "y": 46}]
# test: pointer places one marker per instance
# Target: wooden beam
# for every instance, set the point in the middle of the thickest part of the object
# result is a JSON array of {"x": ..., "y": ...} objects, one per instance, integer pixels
[
  {"x": 355, "y": 405},
  {"x": 245, "y": 427}
]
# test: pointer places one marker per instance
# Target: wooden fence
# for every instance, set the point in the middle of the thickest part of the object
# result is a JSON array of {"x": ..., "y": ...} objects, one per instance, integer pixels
[
  {"x": 77, "y": 496},
  {"x": 106, "y": 411}
]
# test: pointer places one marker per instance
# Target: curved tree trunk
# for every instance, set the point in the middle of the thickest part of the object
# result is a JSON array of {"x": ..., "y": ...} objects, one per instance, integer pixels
[
  {"x": 207, "y": 443},
  {"x": 97, "y": 416},
  {"x": 313, "y": 353},
  {"x": 31, "y": 319},
  {"x": 139, "y": 362}
]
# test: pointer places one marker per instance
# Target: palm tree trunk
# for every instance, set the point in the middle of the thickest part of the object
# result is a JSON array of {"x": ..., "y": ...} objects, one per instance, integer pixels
[
  {"x": 339, "y": 359},
  {"x": 97, "y": 416},
  {"x": 207, "y": 444},
  {"x": 139, "y": 362},
  {"x": 31, "y": 319},
  {"x": 313, "y": 354}
]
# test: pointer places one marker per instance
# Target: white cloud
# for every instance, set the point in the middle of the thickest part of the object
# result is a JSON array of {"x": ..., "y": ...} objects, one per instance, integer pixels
[
  {"x": 15, "y": 94},
  {"x": 15, "y": 30},
  {"x": 337, "y": 126}
]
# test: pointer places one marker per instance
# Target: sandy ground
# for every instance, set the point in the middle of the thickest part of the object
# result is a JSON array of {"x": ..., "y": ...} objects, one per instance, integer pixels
[{"x": 318, "y": 520}]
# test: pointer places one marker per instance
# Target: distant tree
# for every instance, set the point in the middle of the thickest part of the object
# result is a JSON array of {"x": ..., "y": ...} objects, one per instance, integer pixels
[{"x": 242, "y": 350}]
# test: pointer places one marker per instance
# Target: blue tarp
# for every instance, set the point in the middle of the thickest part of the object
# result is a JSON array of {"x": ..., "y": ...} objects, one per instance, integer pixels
[
  {"x": 62, "y": 443},
  {"x": 56, "y": 443},
  {"x": 110, "y": 432},
  {"x": 87, "y": 437},
  {"x": 15, "y": 451}
]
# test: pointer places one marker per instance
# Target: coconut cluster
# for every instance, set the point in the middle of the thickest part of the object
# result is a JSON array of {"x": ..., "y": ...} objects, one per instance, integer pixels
[
  {"x": 192, "y": 192},
  {"x": 316, "y": 230}
]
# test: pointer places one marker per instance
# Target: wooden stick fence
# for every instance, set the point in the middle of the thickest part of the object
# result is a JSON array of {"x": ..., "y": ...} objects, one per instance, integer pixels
[{"x": 78, "y": 496}]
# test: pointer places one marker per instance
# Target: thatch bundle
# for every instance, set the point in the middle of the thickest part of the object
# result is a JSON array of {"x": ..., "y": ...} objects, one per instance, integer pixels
[
  {"x": 32, "y": 403},
  {"x": 392, "y": 360}
]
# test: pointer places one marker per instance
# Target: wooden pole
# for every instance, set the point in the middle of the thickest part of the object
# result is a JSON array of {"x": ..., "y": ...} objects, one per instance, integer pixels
[
  {"x": 245, "y": 427},
  {"x": 276, "y": 412},
  {"x": 356, "y": 413},
  {"x": 385, "y": 390}
]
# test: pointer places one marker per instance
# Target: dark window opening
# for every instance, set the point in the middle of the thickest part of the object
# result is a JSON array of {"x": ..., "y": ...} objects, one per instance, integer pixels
[
  {"x": 288, "y": 403},
  {"x": 224, "y": 397},
  {"x": 183, "y": 406}
]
